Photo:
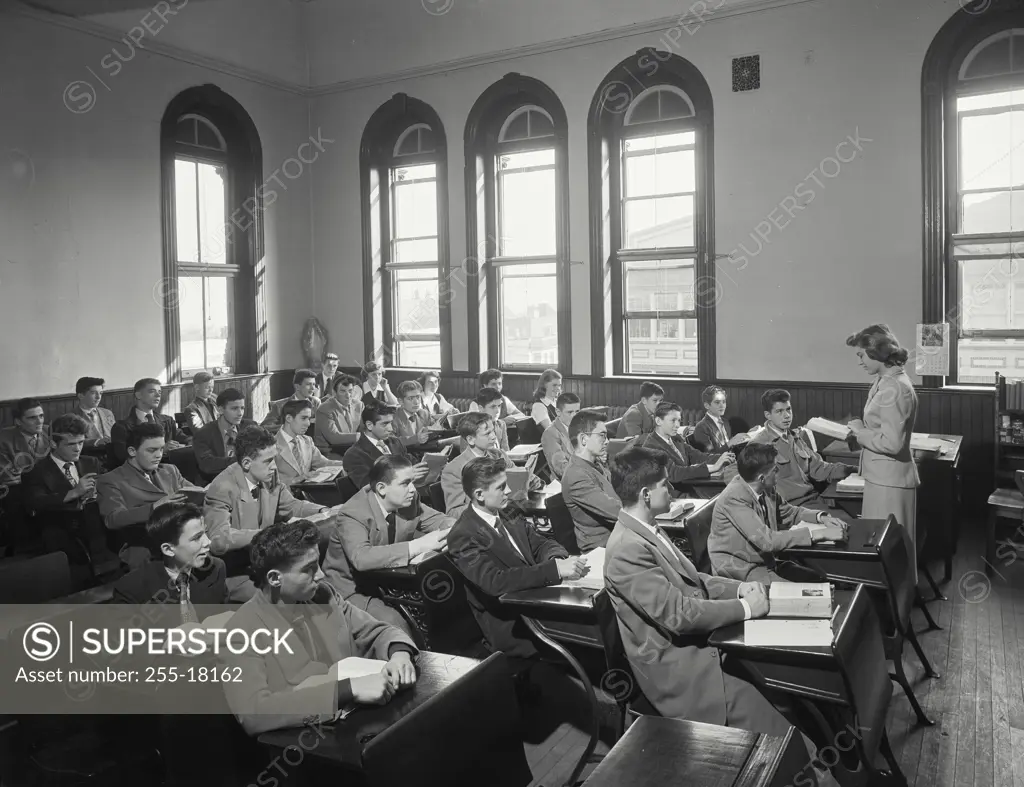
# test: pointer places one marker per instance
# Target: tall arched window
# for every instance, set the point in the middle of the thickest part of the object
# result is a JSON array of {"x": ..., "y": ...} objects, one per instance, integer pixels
[
  {"x": 518, "y": 205},
  {"x": 212, "y": 169},
  {"x": 973, "y": 103},
  {"x": 651, "y": 217},
  {"x": 404, "y": 175}
]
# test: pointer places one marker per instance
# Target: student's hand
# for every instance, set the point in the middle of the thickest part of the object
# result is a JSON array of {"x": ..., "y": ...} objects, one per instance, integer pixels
[
  {"x": 571, "y": 567},
  {"x": 423, "y": 435},
  {"x": 723, "y": 460},
  {"x": 421, "y": 470},
  {"x": 757, "y": 600},
  {"x": 174, "y": 497},
  {"x": 830, "y": 533},
  {"x": 828, "y": 519},
  {"x": 172, "y": 445},
  {"x": 431, "y": 542},
  {"x": 373, "y": 689},
  {"x": 86, "y": 486},
  {"x": 400, "y": 670},
  {"x": 747, "y": 588}
]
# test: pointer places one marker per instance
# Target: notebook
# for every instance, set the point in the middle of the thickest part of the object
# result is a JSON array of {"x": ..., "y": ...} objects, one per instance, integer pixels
[
  {"x": 594, "y": 580},
  {"x": 518, "y": 479},
  {"x": 783, "y": 632}
]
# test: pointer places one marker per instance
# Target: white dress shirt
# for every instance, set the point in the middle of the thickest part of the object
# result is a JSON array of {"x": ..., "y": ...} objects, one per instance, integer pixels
[
  {"x": 74, "y": 470},
  {"x": 492, "y": 520}
]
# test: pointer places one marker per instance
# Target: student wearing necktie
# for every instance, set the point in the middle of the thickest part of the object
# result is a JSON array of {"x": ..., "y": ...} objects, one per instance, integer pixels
[
  {"x": 23, "y": 444},
  {"x": 148, "y": 395},
  {"x": 214, "y": 443},
  {"x": 712, "y": 432},
  {"x": 339, "y": 418},
  {"x": 639, "y": 418},
  {"x": 377, "y": 439},
  {"x": 298, "y": 457},
  {"x": 687, "y": 463},
  {"x": 751, "y": 521},
  {"x": 202, "y": 410},
  {"x": 89, "y": 391},
  {"x": 586, "y": 485}
]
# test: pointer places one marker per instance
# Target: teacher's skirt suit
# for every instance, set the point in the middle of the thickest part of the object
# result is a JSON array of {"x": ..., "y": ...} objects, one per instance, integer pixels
[{"x": 887, "y": 463}]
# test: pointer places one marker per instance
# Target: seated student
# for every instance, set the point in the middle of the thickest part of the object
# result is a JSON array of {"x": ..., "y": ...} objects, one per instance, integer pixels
[
  {"x": 202, "y": 410},
  {"x": 246, "y": 498},
  {"x": 411, "y": 420},
  {"x": 712, "y": 433},
  {"x": 325, "y": 377},
  {"x": 376, "y": 440},
  {"x": 375, "y": 385},
  {"x": 666, "y": 609},
  {"x": 492, "y": 378},
  {"x": 148, "y": 394},
  {"x": 490, "y": 401},
  {"x": 384, "y": 526},
  {"x": 433, "y": 402},
  {"x": 185, "y": 573},
  {"x": 292, "y": 596},
  {"x": 498, "y": 552},
  {"x": 586, "y": 485},
  {"x": 23, "y": 444},
  {"x": 477, "y": 429},
  {"x": 799, "y": 465},
  {"x": 214, "y": 443},
  {"x": 61, "y": 492},
  {"x": 555, "y": 440},
  {"x": 298, "y": 457},
  {"x": 304, "y": 383},
  {"x": 752, "y": 522},
  {"x": 687, "y": 463},
  {"x": 639, "y": 418},
  {"x": 549, "y": 388},
  {"x": 89, "y": 391},
  {"x": 339, "y": 418}
]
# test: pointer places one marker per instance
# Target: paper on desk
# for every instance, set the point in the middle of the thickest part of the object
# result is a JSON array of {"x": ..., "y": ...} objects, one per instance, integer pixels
[
  {"x": 553, "y": 488},
  {"x": 346, "y": 669},
  {"x": 678, "y": 509},
  {"x": 524, "y": 450},
  {"x": 594, "y": 580},
  {"x": 325, "y": 474}
]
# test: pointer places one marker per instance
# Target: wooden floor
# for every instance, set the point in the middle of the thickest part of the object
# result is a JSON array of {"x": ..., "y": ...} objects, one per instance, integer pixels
[{"x": 977, "y": 704}]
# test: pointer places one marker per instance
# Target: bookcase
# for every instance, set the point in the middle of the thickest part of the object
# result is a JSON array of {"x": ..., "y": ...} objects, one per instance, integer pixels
[{"x": 1009, "y": 443}]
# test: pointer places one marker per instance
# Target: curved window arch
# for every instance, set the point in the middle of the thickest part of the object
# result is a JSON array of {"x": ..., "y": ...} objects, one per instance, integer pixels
[
  {"x": 517, "y": 197},
  {"x": 212, "y": 173},
  {"x": 650, "y": 159},
  {"x": 403, "y": 163},
  {"x": 973, "y": 150}
]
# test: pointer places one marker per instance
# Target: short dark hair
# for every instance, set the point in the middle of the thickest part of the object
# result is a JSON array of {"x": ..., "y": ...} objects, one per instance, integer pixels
[
  {"x": 24, "y": 405},
  {"x": 879, "y": 344},
  {"x": 635, "y": 469},
  {"x": 480, "y": 473},
  {"x": 427, "y": 375},
  {"x": 295, "y": 406},
  {"x": 408, "y": 387},
  {"x": 649, "y": 389},
  {"x": 773, "y": 395},
  {"x": 347, "y": 379},
  {"x": 85, "y": 383},
  {"x": 229, "y": 395},
  {"x": 754, "y": 459},
  {"x": 385, "y": 468},
  {"x": 329, "y": 356},
  {"x": 251, "y": 441},
  {"x": 369, "y": 368},
  {"x": 374, "y": 412},
  {"x": 139, "y": 433},
  {"x": 665, "y": 408},
  {"x": 471, "y": 423},
  {"x": 166, "y": 522},
  {"x": 144, "y": 382},
  {"x": 68, "y": 425},
  {"x": 709, "y": 393},
  {"x": 201, "y": 377},
  {"x": 301, "y": 375},
  {"x": 487, "y": 395},
  {"x": 583, "y": 423},
  {"x": 488, "y": 376},
  {"x": 278, "y": 546},
  {"x": 566, "y": 398}
]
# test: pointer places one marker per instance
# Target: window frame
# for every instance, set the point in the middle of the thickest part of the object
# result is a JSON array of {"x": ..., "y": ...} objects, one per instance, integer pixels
[
  {"x": 377, "y": 162},
  {"x": 648, "y": 68}
]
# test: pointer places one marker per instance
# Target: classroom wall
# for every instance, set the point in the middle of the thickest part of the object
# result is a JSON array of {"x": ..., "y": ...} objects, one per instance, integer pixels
[
  {"x": 80, "y": 216},
  {"x": 832, "y": 70}
]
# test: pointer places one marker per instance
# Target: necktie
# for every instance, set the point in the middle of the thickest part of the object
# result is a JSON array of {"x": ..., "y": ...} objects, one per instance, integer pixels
[
  {"x": 33, "y": 443},
  {"x": 151, "y": 418},
  {"x": 229, "y": 443},
  {"x": 392, "y": 527},
  {"x": 499, "y": 525},
  {"x": 67, "y": 473},
  {"x": 255, "y": 493},
  {"x": 384, "y": 447},
  {"x": 188, "y": 612},
  {"x": 152, "y": 477},
  {"x": 762, "y": 501},
  {"x": 297, "y": 452}
]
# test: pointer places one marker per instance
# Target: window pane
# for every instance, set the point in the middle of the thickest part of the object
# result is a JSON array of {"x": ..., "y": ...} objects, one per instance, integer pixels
[
  {"x": 415, "y": 209},
  {"x": 526, "y": 205},
  {"x": 190, "y": 317},
  {"x": 415, "y": 250},
  {"x": 528, "y": 314},
  {"x": 219, "y": 347},
  {"x": 671, "y": 350},
  {"x": 660, "y": 173},
  {"x": 211, "y": 213},
  {"x": 658, "y": 141},
  {"x": 991, "y": 295},
  {"x": 979, "y": 359},
  {"x": 659, "y": 285},
  {"x": 415, "y": 302},
  {"x": 418, "y": 355},
  {"x": 658, "y": 222},
  {"x": 185, "y": 210},
  {"x": 1002, "y": 211},
  {"x": 992, "y": 151}
]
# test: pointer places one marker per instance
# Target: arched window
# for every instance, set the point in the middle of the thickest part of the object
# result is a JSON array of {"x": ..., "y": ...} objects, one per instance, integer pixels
[
  {"x": 404, "y": 175},
  {"x": 518, "y": 205},
  {"x": 651, "y": 217},
  {"x": 973, "y": 104},
  {"x": 212, "y": 168}
]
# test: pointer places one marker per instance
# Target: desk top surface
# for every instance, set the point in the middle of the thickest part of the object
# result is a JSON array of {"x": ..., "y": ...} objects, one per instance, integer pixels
[
  {"x": 861, "y": 544},
  {"x": 838, "y": 449},
  {"x": 535, "y": 601}
]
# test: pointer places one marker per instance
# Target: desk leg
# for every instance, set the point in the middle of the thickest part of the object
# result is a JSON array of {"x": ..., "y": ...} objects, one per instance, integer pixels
[{"x": 595, "y": 709}]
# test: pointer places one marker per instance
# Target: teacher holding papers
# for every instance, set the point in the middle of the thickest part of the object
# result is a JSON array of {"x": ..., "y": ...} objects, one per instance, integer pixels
[{"x": 886, "y": 462}]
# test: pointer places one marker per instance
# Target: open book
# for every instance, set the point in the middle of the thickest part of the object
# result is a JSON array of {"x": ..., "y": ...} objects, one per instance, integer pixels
[
  {"x": 325, "y": 474},
  {"x": 435, "y": 464},
  {"x": 829, "y": 428},
  {"x": 594, "y": 580},
  {"x": 800, "y": 600},
  {"x": 346, "y": 669}
]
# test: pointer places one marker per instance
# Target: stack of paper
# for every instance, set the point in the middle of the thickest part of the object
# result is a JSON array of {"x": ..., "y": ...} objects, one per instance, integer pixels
[
  {"x": 524, "y": 450},
  {"x": 516, "y": 417},
  {"x": 922, "y": 442},
  {"x": 798, "y": 633},
  {"x": 594, "y": 580},
  {"x": 678, "y": 510},
  {"x": 325, "y": 474},
  {"x": 800, "y": 600},
  {"x": 346, "y": 669},
  {"x": 829, "y": 428},
  {"x": 852, "y": 483}
]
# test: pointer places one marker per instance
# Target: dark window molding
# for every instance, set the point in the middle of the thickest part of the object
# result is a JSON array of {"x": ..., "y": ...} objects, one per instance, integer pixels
[
  {"x": 939, "y": 76},
  {"x": 243, "y": 225},
  {"x": 647, "y": 68},
  {"x": 483, "y": 125},
  {"x": 376, "y": 158}
]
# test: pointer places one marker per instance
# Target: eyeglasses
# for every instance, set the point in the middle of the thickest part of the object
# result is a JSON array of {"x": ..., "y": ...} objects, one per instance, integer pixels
[{"x": 603, "y": 436}]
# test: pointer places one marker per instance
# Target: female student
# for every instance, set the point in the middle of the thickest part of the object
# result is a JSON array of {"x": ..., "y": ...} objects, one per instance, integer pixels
[
  {"x": 887, "y": 463},
  {"x": 375, "y": 385},
  {"x": 549, "y": 388},
  {"x": 433, "y": 402}
]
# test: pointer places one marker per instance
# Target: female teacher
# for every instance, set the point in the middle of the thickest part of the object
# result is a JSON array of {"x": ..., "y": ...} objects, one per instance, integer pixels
[{"x": 887, "y": 463}]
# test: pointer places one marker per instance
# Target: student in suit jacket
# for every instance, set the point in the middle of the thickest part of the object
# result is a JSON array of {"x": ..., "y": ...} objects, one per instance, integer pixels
[
  {"x": 586, "y": 486},
  {"x": 202, "y": 410},
  {"x": 886, "y": 461},
  {"x": 555, "y": 440},
  {"x": 61, "y": 491},
  {"x": 498, "y": 552},
  {"x": 23, "y": 444},
  {"x": 687, "y": 463},
  {"x": 799, "y": 465},
  {"x": 291, "y": 595},
  {"x": 491, "y": 402},
  {"x": 246, "y": 498},
  {"x": 639, "y": 418},
  {"x": 666, "y": 609},
  {"x": 752, "y": 522},
  {"x": 384, "y": 526},
  {"x": 148, "y": 393},
  {"x": 89, "y": 391},
  {"x": 713, "y": 433},
  {"x": 325, "y": 377},
  {"x": 411, "y": 421},
  {"x": 376, "y": 440},
  {"x": 376, "y": 389},
  {"x": 339, "y": 418},
  {"x": 214, "y": 443},
  {"x": 492, "y": 378},
  {"x": 304, "y": 383},
  {"x": 297, "y": 457}
]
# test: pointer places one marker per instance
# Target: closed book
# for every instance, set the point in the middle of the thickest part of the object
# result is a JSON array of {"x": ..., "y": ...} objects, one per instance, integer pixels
[
  {"x": 792, "y": 633},
  {"x": 435, "y": 464},
  {"x": 800, "y": 600},
  {"x": 518, "y": 479},
  {"x": 852, "y": 483}
]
